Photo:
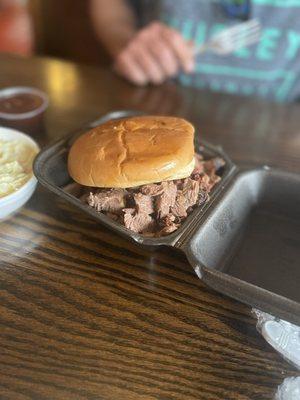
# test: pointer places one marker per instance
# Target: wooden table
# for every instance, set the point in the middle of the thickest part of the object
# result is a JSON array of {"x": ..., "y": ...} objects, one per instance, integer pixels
[{"x": 86, "y": 314}]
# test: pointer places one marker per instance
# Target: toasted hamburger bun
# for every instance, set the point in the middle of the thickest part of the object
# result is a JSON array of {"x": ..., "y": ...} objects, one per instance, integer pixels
[{"x": 133, "y": 151}]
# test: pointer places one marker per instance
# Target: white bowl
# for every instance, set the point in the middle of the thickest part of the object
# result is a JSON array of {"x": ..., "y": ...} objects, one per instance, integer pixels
[{"x": 11, "y": 203}]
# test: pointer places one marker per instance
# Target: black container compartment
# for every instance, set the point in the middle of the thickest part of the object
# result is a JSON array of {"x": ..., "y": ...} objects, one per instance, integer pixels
[
  {"x": 249, "y": 244},
  {"x": 244, "y": 242},
  {"x": 50, "y": 168}
]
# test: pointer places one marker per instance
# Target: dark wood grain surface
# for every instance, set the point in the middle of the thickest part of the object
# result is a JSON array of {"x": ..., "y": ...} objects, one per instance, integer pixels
[{"x": 86, "y": 314}]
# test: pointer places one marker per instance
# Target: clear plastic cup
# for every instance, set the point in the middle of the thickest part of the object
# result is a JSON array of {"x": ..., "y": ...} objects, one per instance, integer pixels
[{"x": 23, "y": 108}]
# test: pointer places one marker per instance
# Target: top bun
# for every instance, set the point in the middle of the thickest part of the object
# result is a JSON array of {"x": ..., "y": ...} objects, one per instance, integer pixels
[{"x": 133, "y": 151}]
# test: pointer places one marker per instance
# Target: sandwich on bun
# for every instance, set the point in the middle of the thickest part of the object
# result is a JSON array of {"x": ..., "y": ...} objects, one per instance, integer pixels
[
  {"x": 133, "y": 152},
  {"x": 142, "y": 171}
]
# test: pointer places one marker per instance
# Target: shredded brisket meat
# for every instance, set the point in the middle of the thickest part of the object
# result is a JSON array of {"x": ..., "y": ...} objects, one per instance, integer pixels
[
  {"x": 160, "y": 208},
  {"x": 111, "y": 200}
]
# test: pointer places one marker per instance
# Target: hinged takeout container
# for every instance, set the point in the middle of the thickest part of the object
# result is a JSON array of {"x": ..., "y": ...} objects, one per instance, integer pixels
[{"x": 245, "y": 242}]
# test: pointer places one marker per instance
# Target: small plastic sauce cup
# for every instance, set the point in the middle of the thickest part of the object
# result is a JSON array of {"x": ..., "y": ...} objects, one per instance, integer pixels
[{"x": 23, "y": 108}]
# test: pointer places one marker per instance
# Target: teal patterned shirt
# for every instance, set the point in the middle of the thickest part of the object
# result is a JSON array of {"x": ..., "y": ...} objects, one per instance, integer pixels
[{"x": 268, "y": 69}]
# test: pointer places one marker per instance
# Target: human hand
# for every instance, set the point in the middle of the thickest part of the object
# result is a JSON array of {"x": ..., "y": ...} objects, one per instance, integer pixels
[{"x": 155, "y": 53}]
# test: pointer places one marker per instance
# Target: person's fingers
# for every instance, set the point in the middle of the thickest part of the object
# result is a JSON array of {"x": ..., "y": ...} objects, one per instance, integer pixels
[
  {"x": 151, "y": 68},
  {"x": 159, "y": 49},
  {"x": 155, "y": 53},
  {"x": 126, "y": 66},
  {"x": 164, "y": 56},
  {"x": 182, "y": 49}
]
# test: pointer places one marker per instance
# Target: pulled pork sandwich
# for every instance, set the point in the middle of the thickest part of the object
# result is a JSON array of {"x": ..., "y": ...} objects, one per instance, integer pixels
[{"x": 143, "y": 172}]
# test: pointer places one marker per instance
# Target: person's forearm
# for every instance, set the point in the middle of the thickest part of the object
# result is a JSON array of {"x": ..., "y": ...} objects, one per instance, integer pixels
[{"x": 114, "y": 23}]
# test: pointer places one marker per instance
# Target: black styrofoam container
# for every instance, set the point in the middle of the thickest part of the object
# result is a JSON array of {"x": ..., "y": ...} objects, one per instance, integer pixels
[{"x": 245, "y": 242}]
